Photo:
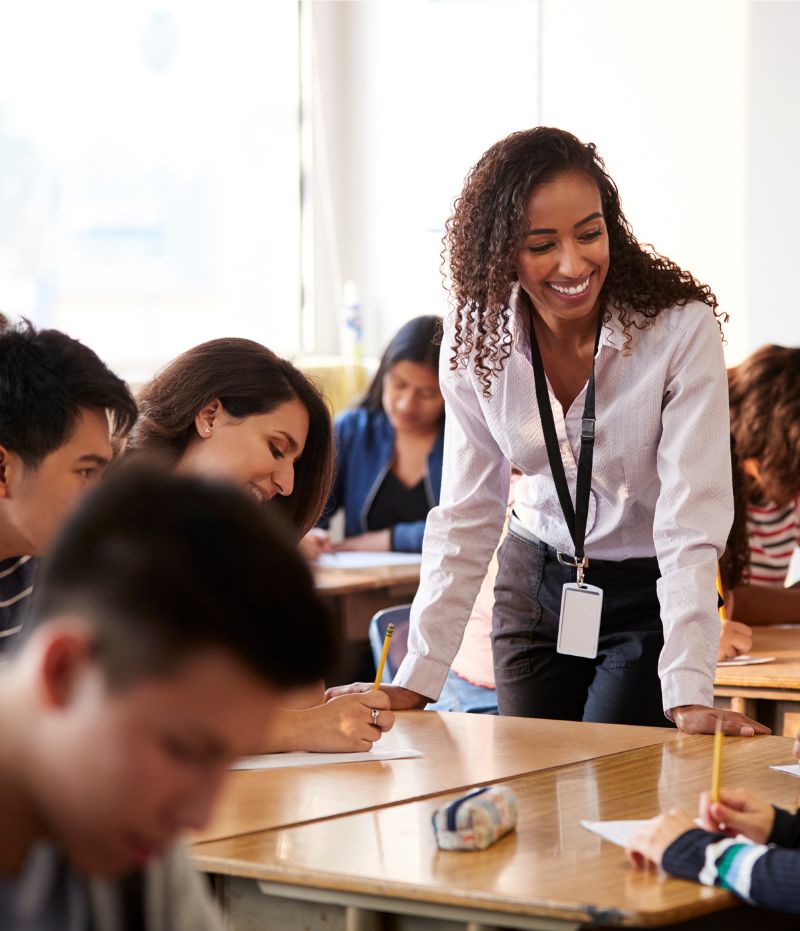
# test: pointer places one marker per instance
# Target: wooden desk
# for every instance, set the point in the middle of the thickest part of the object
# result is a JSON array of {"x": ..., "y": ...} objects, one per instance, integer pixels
[
  {"x": 354, "y": 596},
  {"x": 550, "y": 874},
  {"x": 460, "y": 750},
  {"x": 770, "y": 692}
]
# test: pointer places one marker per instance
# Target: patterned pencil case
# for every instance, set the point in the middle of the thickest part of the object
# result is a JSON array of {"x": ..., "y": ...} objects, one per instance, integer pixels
[{"x": 476, "y": 820}]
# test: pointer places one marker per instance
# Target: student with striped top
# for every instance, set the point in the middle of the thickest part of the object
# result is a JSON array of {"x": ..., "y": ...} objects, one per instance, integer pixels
[
  {"x": 56, "y": 401},
  {"x": 765, "y": 423},
  {"x": 763, "y": 872}
]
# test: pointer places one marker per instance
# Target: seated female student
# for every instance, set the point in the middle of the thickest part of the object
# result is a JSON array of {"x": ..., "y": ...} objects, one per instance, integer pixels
[
  {"x": 765, "y": 422},
  {"x": 763, "y": 872},
  {"x": 232, "y": 409},
  {"x": 389, "y": 450}
]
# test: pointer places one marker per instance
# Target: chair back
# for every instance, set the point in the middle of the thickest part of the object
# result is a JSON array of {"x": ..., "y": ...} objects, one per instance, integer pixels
[{"x": 398, "y": 646}]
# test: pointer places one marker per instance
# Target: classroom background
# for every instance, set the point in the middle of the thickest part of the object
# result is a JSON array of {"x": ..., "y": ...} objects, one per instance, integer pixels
[{"x": 173, "y": 171}]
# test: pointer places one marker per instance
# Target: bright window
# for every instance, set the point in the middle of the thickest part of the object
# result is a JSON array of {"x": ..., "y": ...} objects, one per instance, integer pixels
[{"x": 149, "y": 173}]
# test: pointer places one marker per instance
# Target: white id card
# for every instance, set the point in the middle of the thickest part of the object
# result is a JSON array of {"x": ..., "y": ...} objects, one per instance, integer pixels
[{"x": 579, "y": 622}]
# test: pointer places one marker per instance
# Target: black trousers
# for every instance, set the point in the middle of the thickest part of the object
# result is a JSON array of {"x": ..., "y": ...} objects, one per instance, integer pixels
[{"x": 621, "y": 685}]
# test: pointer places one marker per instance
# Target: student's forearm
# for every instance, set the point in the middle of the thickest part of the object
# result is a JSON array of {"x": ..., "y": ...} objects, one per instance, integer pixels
[
  {"x": 285, "y": 733},
  {"x": 764, "y": 876},
  {"x": 762, "y": 604}
]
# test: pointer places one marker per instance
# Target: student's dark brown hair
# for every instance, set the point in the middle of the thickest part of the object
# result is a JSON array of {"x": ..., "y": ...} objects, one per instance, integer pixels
[
  {"x": 765, "y": 418},
  {"x": 735, "y": 562},
  {"x": 488, "y": 227},
  {"x": 416, "y": 341},
  {"x": 246, "y": 378},
  {"x": 162, "y": 566},
  {"x": 46, "y": 379}
]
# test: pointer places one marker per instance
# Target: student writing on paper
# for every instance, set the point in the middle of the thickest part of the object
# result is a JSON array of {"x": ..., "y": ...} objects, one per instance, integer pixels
[
  {"x": 568, "y": 337},
  {"x": 126, "y": 700},
  {"x": 56, "y": 401},
  {"x": 389, "y": 450},
  {"x": 764, "y": 873},
  {"x": 232, "y": 409},
  {"x": 765, "y": 421}
]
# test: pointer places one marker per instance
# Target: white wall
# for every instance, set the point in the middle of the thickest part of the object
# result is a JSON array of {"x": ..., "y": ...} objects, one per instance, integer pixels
[
  {"x": 771, "y": 223},
  {"x": 692, "y": 103},
  {"x": 412, "y": 92},
  {"x": 661, "y": 89}
]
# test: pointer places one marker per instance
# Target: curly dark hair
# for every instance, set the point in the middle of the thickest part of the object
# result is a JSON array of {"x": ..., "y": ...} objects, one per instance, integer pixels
[
  {"x": 764, "y": 395},
  {"x": 734, "y": 565},
  {"x": 488, "y": 227}
]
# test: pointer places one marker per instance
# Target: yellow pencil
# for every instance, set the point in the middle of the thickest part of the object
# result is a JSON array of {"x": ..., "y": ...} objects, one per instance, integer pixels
[
  {"x": 721, "y": 595},
  {"x": 716, "y": 772},
  {"x": 386, "y": 641}
]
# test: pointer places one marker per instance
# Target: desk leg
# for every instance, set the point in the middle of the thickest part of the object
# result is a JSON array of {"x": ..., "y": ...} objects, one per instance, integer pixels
[
  {"x": 360, "y": 919},
  {"x": 746, "y": 706}
]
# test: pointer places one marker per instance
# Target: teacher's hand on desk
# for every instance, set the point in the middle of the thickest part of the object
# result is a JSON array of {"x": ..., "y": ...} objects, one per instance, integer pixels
[
  {"x": 699, "y": 719},
  {"x": 401, "y": 699}
]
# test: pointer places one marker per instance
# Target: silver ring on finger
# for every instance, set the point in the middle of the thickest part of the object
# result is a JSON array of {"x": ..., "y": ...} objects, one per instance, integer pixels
[{"x": 374, "y": 712}]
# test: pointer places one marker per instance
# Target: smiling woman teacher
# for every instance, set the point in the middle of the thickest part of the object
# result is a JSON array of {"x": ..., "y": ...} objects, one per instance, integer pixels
[{"x": 596, "y": 367}]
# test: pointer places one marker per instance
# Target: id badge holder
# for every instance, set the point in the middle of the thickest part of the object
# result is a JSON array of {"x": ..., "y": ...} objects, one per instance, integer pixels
[{"x": 579, "y": 620}]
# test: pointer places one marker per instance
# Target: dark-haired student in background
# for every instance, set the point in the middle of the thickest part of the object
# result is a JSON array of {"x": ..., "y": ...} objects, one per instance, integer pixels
[
  {"x": 56, "y": 398},
  {"x": 764, "y": 394},
  {"x": 155, "y": 654},
  {"x": 389, "y": 450}
]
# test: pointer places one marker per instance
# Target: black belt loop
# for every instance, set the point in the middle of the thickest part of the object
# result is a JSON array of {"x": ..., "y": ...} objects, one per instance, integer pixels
[{"x": 577, "y": 515}]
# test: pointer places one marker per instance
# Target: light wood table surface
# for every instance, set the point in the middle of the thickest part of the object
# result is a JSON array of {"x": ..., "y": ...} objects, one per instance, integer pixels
[
  {"x": 349, "y": 581},
  {"x": 459, "y": 750},
  {"x": 769, "y": 692},
  {"x": 354, "y": 596},
  {"x": 550, "y": 873}
]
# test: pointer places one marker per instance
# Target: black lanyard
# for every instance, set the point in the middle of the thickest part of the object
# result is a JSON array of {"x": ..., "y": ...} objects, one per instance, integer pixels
[{"x": 574, "y": 516}]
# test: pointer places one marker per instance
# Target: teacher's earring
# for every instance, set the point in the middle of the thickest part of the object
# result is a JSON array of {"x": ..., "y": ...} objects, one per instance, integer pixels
[{"x": 207, "y": 430}]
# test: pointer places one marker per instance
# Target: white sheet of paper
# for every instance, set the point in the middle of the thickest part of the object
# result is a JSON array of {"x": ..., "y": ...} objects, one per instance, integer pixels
[
  {"x": 358, "y": 560},
  {"x": 746, "y": 660},
  {"x": 618, "y": 832},
  {"x": 282, "y": 760},
  {"x": 791, "y": 769}
]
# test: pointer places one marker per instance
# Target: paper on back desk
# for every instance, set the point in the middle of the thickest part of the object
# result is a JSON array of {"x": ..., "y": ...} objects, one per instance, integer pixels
[
  {"x": 746, "y": 660},
  {"x": 282, "y": 760},
  {"x": 358, "y": 560},
  {"x": 792, "y": 770}
]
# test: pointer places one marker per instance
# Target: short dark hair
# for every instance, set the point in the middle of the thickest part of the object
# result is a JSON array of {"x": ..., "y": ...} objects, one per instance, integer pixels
[
  {"x": 163, "y": 566},
  {"x": 247, "y": 378},
  {"x": 416, "y": 341},
  {"x": 764, "y": 393},
  {"x": 46, "y": 379}
]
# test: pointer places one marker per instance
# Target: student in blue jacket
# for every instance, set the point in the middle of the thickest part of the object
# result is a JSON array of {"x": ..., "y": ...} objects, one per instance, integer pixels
[{"x": 389, "y": 450}]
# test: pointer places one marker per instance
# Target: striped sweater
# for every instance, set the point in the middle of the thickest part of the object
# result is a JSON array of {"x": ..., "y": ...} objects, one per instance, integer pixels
[
  {"x": 767, "y": 875},
  {"x": 16, "y": 584},
  {"x": 773, "y": 533}
]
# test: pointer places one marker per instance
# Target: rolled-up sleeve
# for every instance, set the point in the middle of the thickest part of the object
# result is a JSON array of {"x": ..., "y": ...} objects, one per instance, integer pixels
[
  {"x": 461, "y": 534},
  {"x": 694, "y": 511}
]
